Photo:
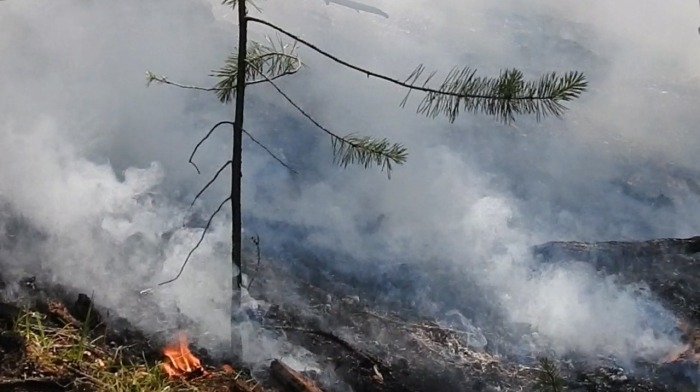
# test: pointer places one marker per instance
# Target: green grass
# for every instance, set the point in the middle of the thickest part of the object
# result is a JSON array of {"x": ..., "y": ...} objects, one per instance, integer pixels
[{"x": 71, "y": 353}]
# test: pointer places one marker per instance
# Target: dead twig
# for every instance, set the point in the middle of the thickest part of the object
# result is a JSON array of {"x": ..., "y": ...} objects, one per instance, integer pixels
[
  {"x": 292, "y": 379},
  {"x": 59, "y": 310},
  {"x": 217, "y": 125},
  {"x": 430, "y": 327},
  {"x": 86, "y": 376},
  {"x": 256, "y": 241},
  {"x": 208, "y": 184},
  {"x": 308, "y": 116},
  {"x": 368, "y": 359},
  {"x": 275, "y": 157},
  {"x": 201, "y": 239},
  {"x": 201, "y": 141}
]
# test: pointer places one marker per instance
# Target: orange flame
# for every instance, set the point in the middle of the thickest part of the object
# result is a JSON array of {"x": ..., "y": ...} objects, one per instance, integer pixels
[
  {"x": 677, "y": 354},
  {"x": 179, "y": 360},
  {"x": 690, "y": 350}
]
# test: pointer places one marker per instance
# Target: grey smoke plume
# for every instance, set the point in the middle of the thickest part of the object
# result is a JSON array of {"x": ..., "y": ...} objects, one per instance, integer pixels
[{"x": 97, "y": 160}]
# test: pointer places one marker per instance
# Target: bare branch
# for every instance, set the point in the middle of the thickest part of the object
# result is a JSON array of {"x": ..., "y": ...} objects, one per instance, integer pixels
[
  {"x": 281, "y": 162},
  {"x": 194, "y": 151},
  {"x": 201, "y": 239},
  {"x": 256, "y": 241},
  {"x": 151, "y": 77},
  {"x": 222, "y": 168}
]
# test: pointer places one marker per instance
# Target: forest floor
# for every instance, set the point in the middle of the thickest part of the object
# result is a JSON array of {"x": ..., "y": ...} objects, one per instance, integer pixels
[{"x": 61, "y": 341}]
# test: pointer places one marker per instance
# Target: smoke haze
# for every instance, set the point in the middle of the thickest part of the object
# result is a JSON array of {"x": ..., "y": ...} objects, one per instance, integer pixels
[{"x": 97, "y": 160}]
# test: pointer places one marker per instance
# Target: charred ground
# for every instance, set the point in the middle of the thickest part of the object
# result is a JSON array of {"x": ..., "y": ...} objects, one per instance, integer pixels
[{"x": 358, "y": 346}]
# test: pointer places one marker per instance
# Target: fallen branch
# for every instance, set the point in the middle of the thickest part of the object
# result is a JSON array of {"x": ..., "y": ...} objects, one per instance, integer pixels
[
  {"x": 58, "y": 309},
  {"x": 429, "y": 327},
  {"x": 368, "y": 359},
  {"x": 291, "y": 379}
]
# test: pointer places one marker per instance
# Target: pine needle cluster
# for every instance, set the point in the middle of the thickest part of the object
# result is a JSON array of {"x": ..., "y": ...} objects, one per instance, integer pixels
[
  {"x": 503, "y": 97},
  {"x": 548, "y": 377},
  {"x": 265, "y": 61},
  {"x": 367, "y": 151}
]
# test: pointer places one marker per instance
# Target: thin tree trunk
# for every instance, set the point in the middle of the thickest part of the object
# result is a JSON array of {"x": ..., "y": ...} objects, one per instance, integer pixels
[{"x": 236, "y": 174}]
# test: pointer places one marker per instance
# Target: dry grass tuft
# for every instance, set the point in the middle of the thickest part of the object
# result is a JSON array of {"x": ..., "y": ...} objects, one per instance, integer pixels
[{"x": 71, "y": 353}]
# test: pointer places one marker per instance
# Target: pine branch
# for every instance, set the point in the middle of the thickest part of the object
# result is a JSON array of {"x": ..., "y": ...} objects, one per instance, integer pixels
[
  {"x": 353, "y": 149},
  {"x": 502, "y": 97},
  {"x": 548, "y": 379},
  {"x": 272, "y": 61},
  {"x": 366, "y": 151},
  {"x": 350, "y": 149},
  {"x": 267, "y": 62},
  {"x": 280, "y": 64},
  {"x": 234, "y": 3}
]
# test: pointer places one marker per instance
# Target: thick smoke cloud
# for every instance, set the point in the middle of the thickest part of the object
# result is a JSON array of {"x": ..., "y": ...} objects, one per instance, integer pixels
[{"x": 98, "y": 161}]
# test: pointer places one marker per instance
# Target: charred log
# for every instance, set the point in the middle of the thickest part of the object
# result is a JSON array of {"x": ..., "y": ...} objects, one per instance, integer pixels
[{"x": 291, "y": 379}]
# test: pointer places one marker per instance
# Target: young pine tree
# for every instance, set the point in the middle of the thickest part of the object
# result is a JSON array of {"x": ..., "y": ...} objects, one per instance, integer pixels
[{"x": 503, "y": 97}]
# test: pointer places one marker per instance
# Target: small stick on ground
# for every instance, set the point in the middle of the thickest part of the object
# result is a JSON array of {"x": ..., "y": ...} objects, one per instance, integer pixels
[
  {"x": 370, "y": 360},
  {"x": 58, "y": 309},
  {"x": 429, "y": 327},
  {"x": 291, "y": 379}
]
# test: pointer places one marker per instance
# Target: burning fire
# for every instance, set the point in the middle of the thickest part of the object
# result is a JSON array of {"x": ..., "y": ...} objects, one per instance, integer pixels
[
  {"x": 179, "y": 360},
  {"x": 690, "y": 351}
]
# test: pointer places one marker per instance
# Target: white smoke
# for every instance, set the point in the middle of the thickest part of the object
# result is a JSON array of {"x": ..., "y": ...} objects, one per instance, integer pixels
[{"x": 83, "y": 140}]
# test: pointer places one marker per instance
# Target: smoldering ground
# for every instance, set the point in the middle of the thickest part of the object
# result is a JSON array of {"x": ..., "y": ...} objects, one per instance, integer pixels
[{"x": 80, "y": 130}]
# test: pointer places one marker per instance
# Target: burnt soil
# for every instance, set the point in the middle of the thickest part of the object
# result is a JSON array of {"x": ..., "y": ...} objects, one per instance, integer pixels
[
  {"x": 416, "y": 354},
  {"x": 362, "y": 344}
]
